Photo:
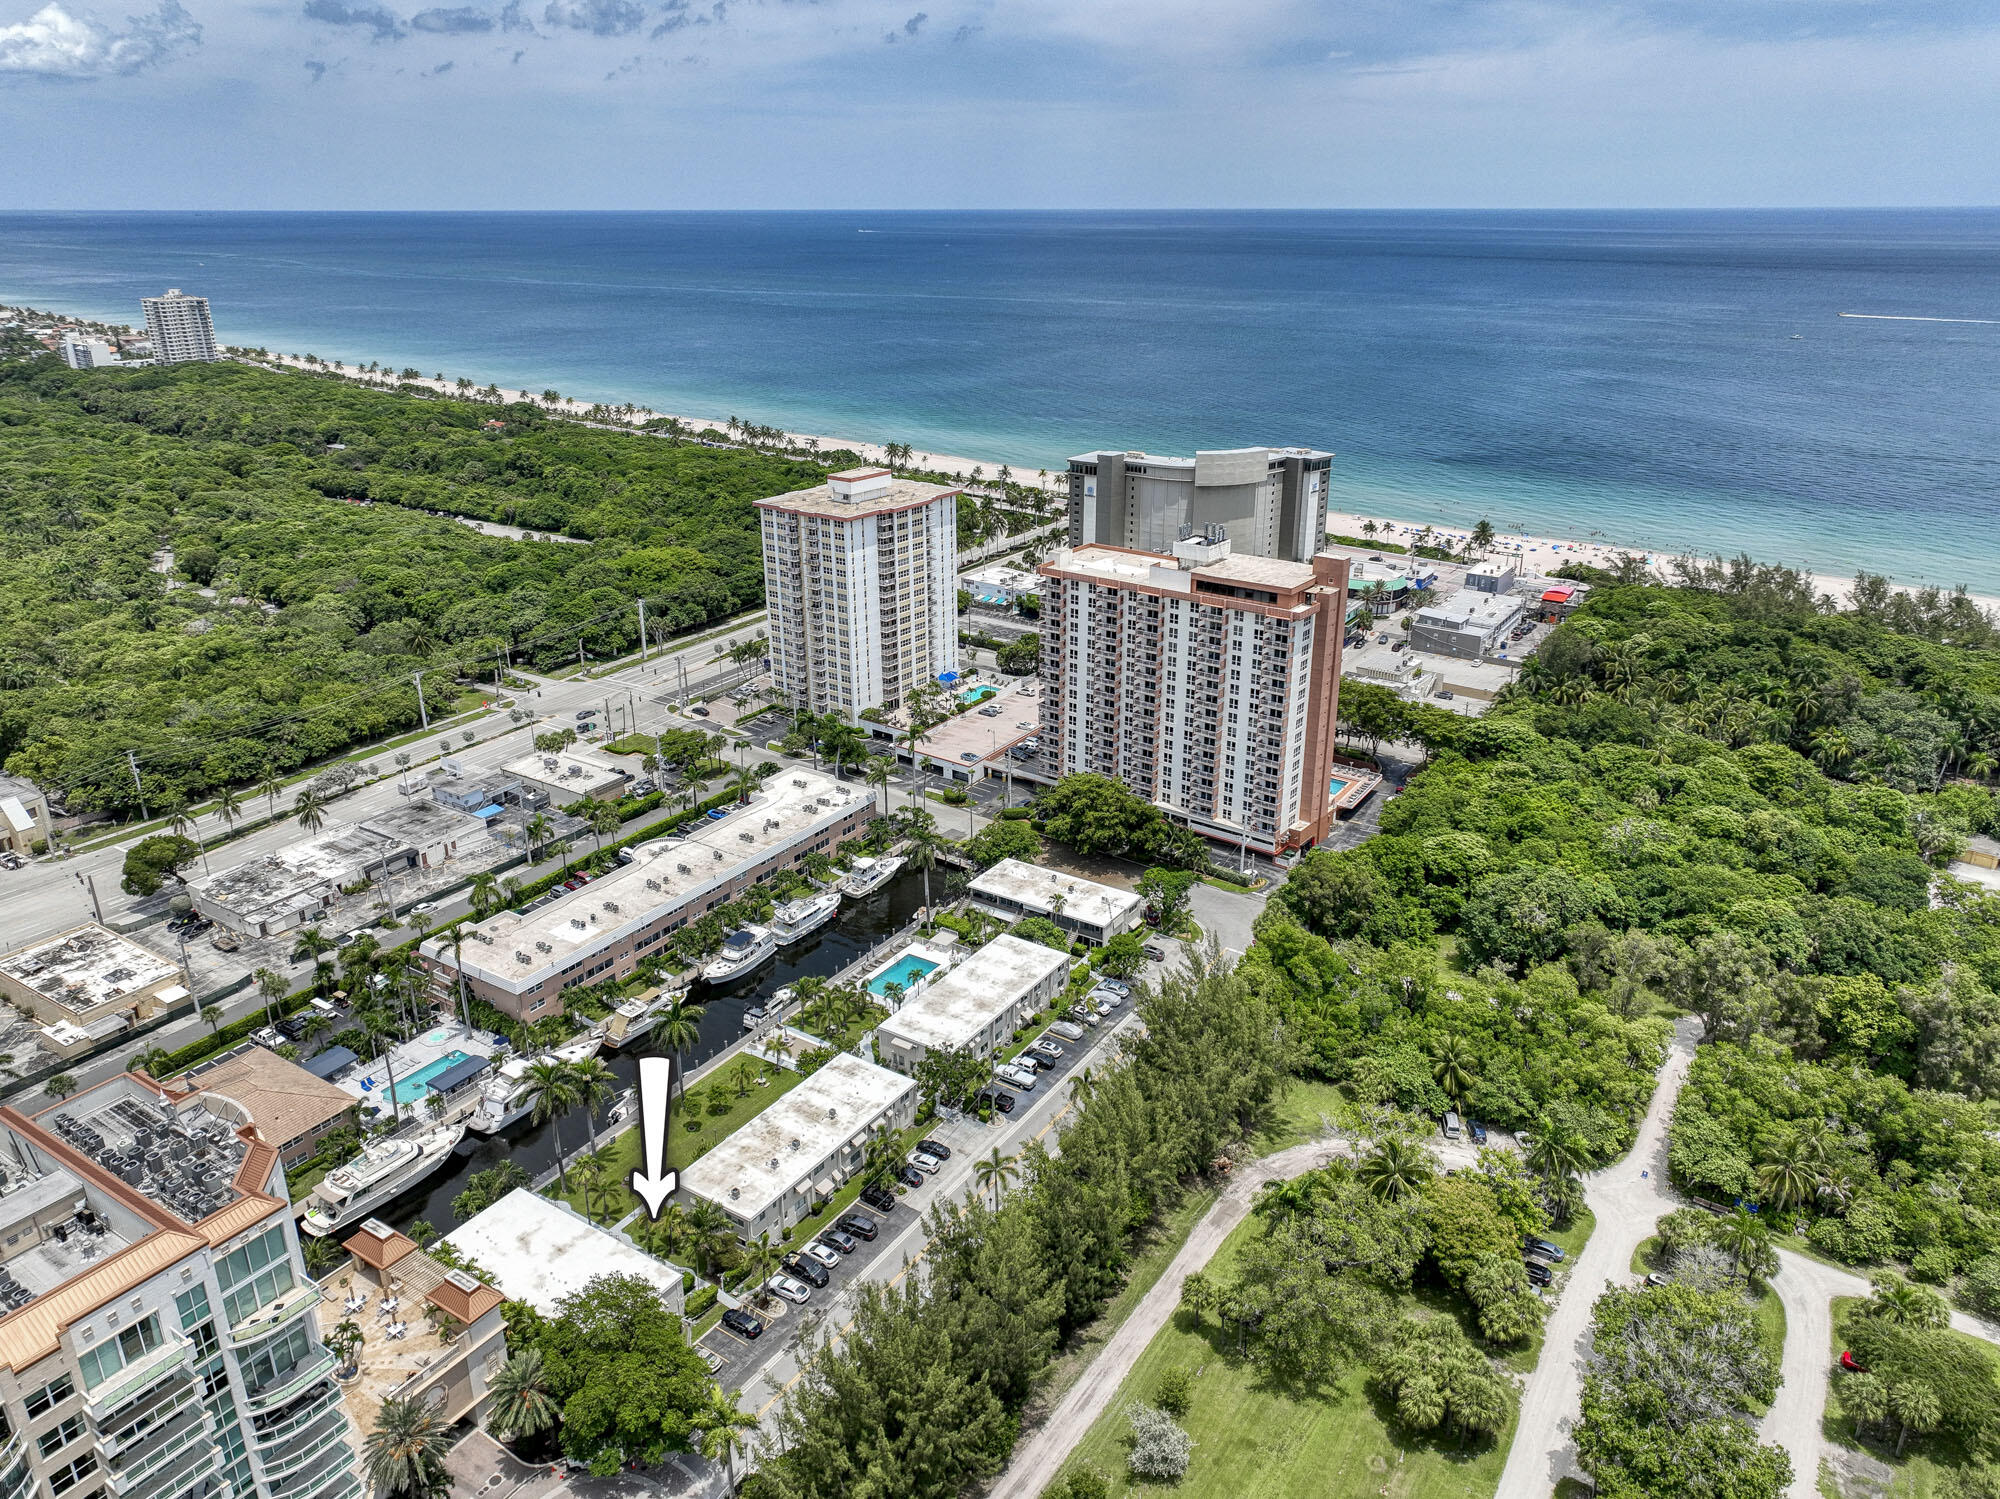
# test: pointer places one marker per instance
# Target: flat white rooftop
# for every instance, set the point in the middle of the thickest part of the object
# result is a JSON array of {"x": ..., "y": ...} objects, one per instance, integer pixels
[
  {"x": 856, "y": 493},
  {"x": 951, "y": 1011},
  {"x": 87, "y": 967},
  {"x": 540, "y": 1251},
  {"x": 421, "y": 821},
  {"x": 570, "y": 767},
  {"x": 1034, "y": 887},
  {"x": 1471, "y": 609},
  {"x": 783, "y": 1146},
  {"x": 275, "y": 884},
  {"x": 793, "y": 807}
]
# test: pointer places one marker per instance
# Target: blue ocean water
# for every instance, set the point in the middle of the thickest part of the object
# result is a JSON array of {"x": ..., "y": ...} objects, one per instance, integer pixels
[{"x": 1672, "y": 380}]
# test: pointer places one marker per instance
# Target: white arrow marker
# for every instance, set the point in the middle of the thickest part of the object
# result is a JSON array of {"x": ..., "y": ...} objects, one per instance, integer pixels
[{"x": 655, "y": 1184}]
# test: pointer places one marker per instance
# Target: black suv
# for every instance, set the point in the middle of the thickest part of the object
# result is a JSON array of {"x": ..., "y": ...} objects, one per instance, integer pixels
[
  {"x": 879, "y": 1198},
  {"x": 933, "y": 1147},
  {"x": 739, "y": 1321},
  {"x": 805, "y": 1269},
  {"x": 859, "y": 1224}
]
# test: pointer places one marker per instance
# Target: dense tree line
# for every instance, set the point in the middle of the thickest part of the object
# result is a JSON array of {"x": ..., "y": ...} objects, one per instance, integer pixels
[
  {"x": 923, "y": 1394},
  {"x": 302, "y": 505}
]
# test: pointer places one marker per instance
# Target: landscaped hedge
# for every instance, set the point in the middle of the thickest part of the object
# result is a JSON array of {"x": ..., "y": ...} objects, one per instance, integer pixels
[{"x": 699, "y": 1303}]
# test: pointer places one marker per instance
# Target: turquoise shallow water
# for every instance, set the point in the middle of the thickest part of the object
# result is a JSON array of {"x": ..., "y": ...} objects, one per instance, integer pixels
[{"x": 1673, "y": 380}]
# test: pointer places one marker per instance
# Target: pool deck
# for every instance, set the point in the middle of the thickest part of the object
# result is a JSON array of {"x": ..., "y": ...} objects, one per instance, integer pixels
[
  {"x": 411, "y": 1058},
  {"x": 1353, "y": 787},
  {"x": 939, "y": 958}
]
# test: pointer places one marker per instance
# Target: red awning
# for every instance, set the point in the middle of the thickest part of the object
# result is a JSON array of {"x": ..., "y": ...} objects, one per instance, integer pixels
[{"x": 1558, "y": 595}]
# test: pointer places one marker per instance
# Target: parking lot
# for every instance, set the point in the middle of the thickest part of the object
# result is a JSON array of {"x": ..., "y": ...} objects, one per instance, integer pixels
[{"x": 883, "y": 1259}]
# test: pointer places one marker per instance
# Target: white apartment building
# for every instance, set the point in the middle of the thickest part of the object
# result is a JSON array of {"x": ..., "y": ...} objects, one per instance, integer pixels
[
  {"x": 861, "y": 586},
  {"x": 179, "y": 328},
  {"x": 1272, "y": 500},
  {"x": 1206, "y": 681},
  {"x": 976, "y": 1006},
  {"x": 81, "y": 353},
  {"x": 157, "y": 1329}
]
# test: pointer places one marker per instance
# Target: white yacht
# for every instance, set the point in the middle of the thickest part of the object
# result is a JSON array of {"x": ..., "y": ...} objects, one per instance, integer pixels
[
  {"x": 636, "y": 1017},
  {"x": 795, "y": 918},
  {"x": 870, "y": 875},
  {"x": 508, "y": 1096},
  {"x": 382, "y": 1172},
  {"x": 742, "y": 950},
  {"x": 775, "y": 1008}
]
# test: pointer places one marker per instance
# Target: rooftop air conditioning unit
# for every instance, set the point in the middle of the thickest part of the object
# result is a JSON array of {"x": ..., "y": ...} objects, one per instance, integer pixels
[
  {"x": 652, "y": 884},
  {"x": 683, "y": 869},
  {"x": 543, "y": 947},
  {"x": 521, "y": 957},
  {"x": 800, "y": 782},
  {"x": 577, "y": 922},
  {"x": 718, "y": 854},
  {"x": 746, "y": 836},
  {"x": 734, "y": 1193},
  {"x": 611, "y": 906}
]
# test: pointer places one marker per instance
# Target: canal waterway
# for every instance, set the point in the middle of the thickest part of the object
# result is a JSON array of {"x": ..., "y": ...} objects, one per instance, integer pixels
[{"x": 861, "y": 925}]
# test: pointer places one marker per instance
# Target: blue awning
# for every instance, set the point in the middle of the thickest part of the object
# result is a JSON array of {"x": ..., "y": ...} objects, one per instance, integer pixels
[
  {"x": 458, "y": 1074},
  {"x": 488, "y": 812},
  {"x": 330, "y": 1061}
]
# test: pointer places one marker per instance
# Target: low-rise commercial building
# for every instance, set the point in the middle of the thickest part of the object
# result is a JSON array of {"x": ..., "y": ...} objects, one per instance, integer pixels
[
  {"x": 570, "y": 775},
  {"x": 24, "y": 815},
  {"x": 774, "y": 1170},
  {"x": 434, "y": 832},
  {"x": 521, "y": 962},
  {"x": 1492, "y": 577},
  {"x": 998, "y": 586},
  {"x": 288, "y": 1106},
  {"x": 975, "y": 1006},
  {"x": 539, "y": 1251},
  {"x": 1013, "y": 889},
  {"x": 1467, "y": 624},
  {"x": 300, "y": 883},
  {"x": 88, "y": 984}
]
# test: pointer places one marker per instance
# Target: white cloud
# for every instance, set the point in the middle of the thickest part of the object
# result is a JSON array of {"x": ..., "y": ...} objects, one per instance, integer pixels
[{"x": 57, "y": 43}]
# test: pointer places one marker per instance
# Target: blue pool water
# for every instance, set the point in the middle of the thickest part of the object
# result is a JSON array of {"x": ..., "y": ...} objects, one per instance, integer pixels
[
  {"x": 975, "y": 694},
  {"x": 1335, "y": 786},
  {"x": 906, "y": 970},
  {"x": 412, "y": 1089}
]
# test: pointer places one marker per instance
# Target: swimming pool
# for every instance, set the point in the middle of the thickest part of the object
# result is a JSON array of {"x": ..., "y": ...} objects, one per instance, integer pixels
[
  {"x": 412, "y": 1089},
  {"x": 906, "y": 970},
  {"x": 1335, "y": 787},
  {"x": 977, "y": 694}
]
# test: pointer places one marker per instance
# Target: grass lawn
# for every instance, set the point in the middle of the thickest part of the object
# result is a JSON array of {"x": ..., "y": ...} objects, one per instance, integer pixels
[
  {"x": 1298, "y": 1115},
  {"x": 1253, "y": 1438},
  {"x": 873, "y": 1016},
  {"x": 613, "y": 1200}
]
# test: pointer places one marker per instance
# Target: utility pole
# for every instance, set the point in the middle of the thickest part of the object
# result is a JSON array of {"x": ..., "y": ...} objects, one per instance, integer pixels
[
  {"x": 642, "y": 629},
  {"x": 89, "y": 883},
  {"x": 579, "y": 651},
  {"x": 422, "y": 712},
  {"x": 133, "y": 761}
]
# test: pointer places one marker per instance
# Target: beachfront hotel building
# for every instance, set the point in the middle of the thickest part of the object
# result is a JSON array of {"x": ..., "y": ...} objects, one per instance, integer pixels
[
  {"x": 157, "y": 1336},
  {"x": 179, "y": 329},
  {"x": 861, "y": 588},
  {"x": 799, "y": 1151},
  {"x": 1272, "y": 500},
  {"x": 976, "y": 1006},
  {"x": 1207, "y": 681},
  {"x": 521, "y": 962}
]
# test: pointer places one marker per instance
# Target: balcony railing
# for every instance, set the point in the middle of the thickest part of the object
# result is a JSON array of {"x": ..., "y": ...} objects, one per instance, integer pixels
[
  {"x": 138, "y": 1377},
  {"x": 289, "y": 1382},
  {"x": 273, "y": 1315}
]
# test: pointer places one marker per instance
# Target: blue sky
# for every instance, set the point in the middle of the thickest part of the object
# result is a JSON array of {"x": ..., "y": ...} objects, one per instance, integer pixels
[{"x": 997, "y": 103}]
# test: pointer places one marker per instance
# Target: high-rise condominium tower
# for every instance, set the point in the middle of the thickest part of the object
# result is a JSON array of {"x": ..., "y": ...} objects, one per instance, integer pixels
[
  {"x": 861, "y": 586},
  {"x": 179, "y": 328},
  {"x": 1206, "y": 681},
  {"x": 158, "y": 1338},
  {"x": 1273, "y": 500}
]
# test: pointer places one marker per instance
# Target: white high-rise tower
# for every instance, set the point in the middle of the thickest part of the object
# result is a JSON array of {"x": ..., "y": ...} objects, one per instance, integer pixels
[{"x": 179, "y": 327}]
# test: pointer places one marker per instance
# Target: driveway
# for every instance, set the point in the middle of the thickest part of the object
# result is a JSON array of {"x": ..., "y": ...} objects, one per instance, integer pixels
[
  {"x": 1226, "y": 915},
  {"x": 1628, "y": 1197}
]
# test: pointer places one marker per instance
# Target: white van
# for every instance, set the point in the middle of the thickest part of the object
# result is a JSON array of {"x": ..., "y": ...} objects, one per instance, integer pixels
[{"x": 1453, "y": 1127}]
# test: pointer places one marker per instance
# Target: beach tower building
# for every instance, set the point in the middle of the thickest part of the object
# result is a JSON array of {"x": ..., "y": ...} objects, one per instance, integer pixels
[
  {"x": 1208, "y": 682},
  {"x": 1272, "y": 500},
  {"x": 179, "y": 328},
  {"x": 861, "y": 585}
]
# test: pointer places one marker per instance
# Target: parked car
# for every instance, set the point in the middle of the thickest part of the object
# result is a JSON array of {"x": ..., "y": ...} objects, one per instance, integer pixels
[
  {"x": 909, "y": 1175},
  {"x": 700, "y": 712},
  {"x": 1069, "y": 1030},
  {"x": 1116, "y": 986},
  {"x": 739, "y": 1321},
  {"x": 791, "y": 1290},
  {"x": 833, "y": 1238},
  {"x": 805, "y": 1269},
  {"x": 859, "y": 1224},
  {"x": 1105, "y": 999},
  {"x": 293, "y": 1029},
  {"x": 1001, "y": 1103},
  {"x": 1154, "y": 953},
  {"x": 1017, "y": 1077},
  {"x": 226, "y": 942},
  {"x": 425, "y": 907},
  {"x": 989, "y": 712},
  {"x": 1545, "y": 1249},
  {"x": 1453, "y": 1128},
  {"x": 1047, "y": 1049},
  {"x": 935, "y": 1147},
  {"x": 925, "y": 1162},
  {"x": 268, "y": 1036},
  {"x": 1478, "y": 1131},
  {"x": 1659, "y": 1278},
  {"x": 821, "y": 1255},
  {"x": 583, "y": 713},
  {"x": 1538, "y": 1273},
  {"x": 1081, "y": 1016},
  {"x": 879, "y": 1198}
]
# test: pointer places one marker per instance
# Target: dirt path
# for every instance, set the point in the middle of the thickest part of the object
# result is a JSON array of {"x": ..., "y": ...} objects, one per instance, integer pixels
[{"x": 1628, "y": 1197}]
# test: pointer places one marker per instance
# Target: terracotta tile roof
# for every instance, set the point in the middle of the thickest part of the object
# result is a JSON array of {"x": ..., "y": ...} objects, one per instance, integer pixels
[
  {"x": 286, "y": 1101},
  {"x": 35, "y": 1331},
  {"x": 378, "y": 1246},
  {"x": 468, "y": 1306}
]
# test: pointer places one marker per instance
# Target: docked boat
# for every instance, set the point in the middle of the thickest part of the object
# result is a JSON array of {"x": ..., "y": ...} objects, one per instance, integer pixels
[
  {"x": 870, "y": 875},
  {"x": 776, "y": 1007},
  {"x": 509, "y": 1095},
  {"x": 381, "y": 1173},
  {"x": 742, "y": 950},
  {"x": 795, "y": 918},
  {"x": 636, "y": 1018}
]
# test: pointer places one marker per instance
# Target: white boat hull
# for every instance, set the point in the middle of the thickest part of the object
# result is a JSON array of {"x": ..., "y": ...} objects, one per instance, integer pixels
[
  {"x": 735, "y": 965},
  {"x": 867, "y": 881},
  {"x": 325, "y": 1216},
  {"x": 823, "y": 908}
]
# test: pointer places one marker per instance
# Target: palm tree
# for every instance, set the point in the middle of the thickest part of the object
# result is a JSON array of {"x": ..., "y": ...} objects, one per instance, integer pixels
[
  {"x": 405, "y": 1453},
  {"x": 522, "y": 1405},
  {"x": 743, "y": 781},
  {"x": 1792, "y": 1174},
  {"x": 596, "y": 1085},
  {"x": 603, "y": 819},
  {"x": 1394, "y": 1169},
  {"x": 269, "y": 784},
  {"x": 725, "y": 1431},
  {"x": 345, "y": 1339},
  {"x": 678, "y": 1029},
  {"x": 311, "y": 809},
  {"x": 744, "y": 1075},
  {"x": 483, "y": 893},
  {"x": 760, "y": 1263},
  {"x": 552, "y": 1088},
  {"x": 228, "y": 808},
  {"x": 309, "y": 946},
  {"x": 923, "y": 842},
  {"x": 878, "y": 774},
  {"x": 537, "y": 831},
  {"x": 1556, "y": 1152},
  {"x": 706, "y": 1232},
  {"x": 212, "y": 1017},
  {"x": 272, "y": 986},
  {"x": 1083, "y": 1085},
  {"x": 589, "y": 1177},
  {"x": 153, "y": 1061},
  {"x": 1456, "y": 1068},
  {"x": 1901, "y": 1304},
  {"x": 1745, "y": 1236},
  {"x": 998, "y": 1172}
]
